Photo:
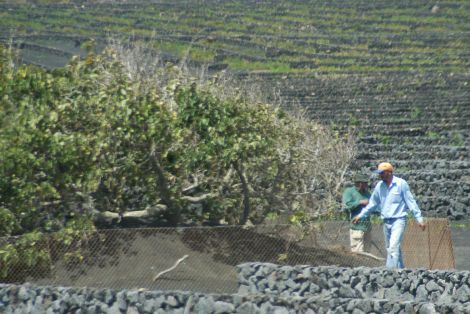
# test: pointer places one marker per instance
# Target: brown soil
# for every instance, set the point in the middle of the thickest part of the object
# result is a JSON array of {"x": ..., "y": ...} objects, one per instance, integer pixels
[{"x": 130, "y": 258}]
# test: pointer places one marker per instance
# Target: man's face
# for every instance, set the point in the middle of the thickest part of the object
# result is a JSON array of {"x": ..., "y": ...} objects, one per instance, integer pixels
[
  {"x": 361, "y": 186},
  {"x": 385, "y": 176}
]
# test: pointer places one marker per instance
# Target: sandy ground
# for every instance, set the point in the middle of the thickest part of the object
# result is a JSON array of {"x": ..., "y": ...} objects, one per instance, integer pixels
[
  {"x": 125, "y": 259},
  {"x": 129, "y": 259}
]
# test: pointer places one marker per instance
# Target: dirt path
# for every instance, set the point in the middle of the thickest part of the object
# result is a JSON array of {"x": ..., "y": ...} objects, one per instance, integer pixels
[{"x": 130, "y": 259}]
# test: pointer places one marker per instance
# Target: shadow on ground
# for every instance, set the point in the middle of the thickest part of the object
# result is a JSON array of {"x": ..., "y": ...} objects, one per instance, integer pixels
[{"x": 131, "y": 258}]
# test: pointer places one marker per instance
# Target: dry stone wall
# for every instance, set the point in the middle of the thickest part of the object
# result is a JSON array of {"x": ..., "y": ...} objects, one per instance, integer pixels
[
  {"x": 378, "y": 283},
  {"x": 418, "y": 122},
  {"x": 443, "y": 288},
  {"x": 29, "y": 299},
  {"x": 266, "y": 288},
  {"x": 401, "y": 82}
]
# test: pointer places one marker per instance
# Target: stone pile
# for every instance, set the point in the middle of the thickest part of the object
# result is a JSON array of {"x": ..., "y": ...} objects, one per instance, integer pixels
[
  {"x": 266, "y": 288},
  {"x": 28, "y": 299},
  {"x": 443, "y": 288}
]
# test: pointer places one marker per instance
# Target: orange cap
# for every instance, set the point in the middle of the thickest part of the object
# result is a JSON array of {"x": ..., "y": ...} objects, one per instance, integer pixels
[{"x": 384, "y": 166}]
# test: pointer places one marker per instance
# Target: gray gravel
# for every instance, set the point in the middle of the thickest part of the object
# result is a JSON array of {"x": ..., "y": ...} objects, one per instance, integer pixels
[
  {"x": 461, "y": 246},
  {"x": 266, "y": 288},
  {"x": 70, "y": 300}
]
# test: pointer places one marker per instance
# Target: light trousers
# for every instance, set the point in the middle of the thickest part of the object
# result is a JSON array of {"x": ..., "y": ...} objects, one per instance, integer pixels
[
  {"x": 360, "y": 240},
  {"x": 394, "y": 229}
]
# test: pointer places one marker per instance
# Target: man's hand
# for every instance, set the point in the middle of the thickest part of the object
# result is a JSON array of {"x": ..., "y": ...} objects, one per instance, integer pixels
[
  {"x": 422, "y": 225},
  {"x": 355, "y": 220},
  {"x": 364, "y": 202}
]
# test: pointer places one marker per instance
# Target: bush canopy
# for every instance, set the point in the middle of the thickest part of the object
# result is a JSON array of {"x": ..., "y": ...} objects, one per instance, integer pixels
[{"x": 86, "y": 142}]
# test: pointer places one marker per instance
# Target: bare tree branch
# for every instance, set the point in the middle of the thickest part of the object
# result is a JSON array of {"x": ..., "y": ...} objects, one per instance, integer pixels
[
  {"x": 193, "y": 186},
  {"x": 170, "y": 269},
  {"x": 246, "y": 193},
  {"x": 148, "y": 212},
  {"x": 198, "y": 199}
]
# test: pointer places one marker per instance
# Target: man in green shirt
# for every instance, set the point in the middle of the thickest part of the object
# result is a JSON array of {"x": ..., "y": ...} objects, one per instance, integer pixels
[{"x": 354, "y": 199}]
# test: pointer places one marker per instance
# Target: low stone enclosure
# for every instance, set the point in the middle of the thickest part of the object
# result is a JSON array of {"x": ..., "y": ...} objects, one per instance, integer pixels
[
  {"x": 441, "y": 288},
  {"x": 418, "y": 122},
  {"x": 266, "y": 288},
  {"x": 400, "y": 83}
]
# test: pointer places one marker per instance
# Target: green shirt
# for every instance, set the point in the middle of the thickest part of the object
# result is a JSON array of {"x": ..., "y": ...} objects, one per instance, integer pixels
[{"x": 351, "y": 199}]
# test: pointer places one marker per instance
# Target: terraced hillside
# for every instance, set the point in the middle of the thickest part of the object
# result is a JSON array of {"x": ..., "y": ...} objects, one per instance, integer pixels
[
  {"x": 278, "y": 36},
  {"x": 419, "y": 122},
  {"x": 397, "y": 71}
]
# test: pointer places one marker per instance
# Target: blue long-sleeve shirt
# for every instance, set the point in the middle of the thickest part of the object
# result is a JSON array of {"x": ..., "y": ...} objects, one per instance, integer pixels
[{"x": 394, "y": 201}]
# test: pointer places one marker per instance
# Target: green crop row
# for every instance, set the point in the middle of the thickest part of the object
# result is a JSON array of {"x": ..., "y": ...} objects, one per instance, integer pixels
[{"x": 297, "y": 31}]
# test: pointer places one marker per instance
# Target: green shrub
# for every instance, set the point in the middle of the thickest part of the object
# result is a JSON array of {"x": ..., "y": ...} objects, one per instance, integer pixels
[{"x": 87, "y": 142}]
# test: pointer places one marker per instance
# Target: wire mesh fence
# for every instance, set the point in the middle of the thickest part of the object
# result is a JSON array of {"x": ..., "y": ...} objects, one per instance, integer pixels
[{"x": 203, "y": 259}]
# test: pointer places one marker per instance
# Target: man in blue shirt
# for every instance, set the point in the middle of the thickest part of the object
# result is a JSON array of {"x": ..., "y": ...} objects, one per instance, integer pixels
[{"x": 392, "y": 196}]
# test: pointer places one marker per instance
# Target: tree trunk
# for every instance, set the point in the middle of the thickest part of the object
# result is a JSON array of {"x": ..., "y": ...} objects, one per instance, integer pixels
[
  {"x": 173, "y": 212},
  {"x": 246, "y": 193}
]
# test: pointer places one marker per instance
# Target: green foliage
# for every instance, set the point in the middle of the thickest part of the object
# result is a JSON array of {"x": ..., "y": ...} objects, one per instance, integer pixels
[
  {"x": 26, "y": 252},
  {"x": 226, "y": 134},
  {"x": 432, "y": 135},
  {"x": 354, "y": 120},
  {"x": 460, "y": 224},
  {"x": 416, "y": 113},
  {"x": 457, "y": 139},
  {"x": 384, "y": 139},
  {"x": 227, "y": 130},
  {"x": 236, "y": 63},
  {"x": 33, "y": 252},
  {"x": 9, "y": 223},
  {"x": 86, "y": 140},
  {"x": 336, "y": 36}
]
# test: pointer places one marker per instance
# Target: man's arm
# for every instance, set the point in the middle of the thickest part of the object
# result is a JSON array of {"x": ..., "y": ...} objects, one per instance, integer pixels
[
  {"x": 349, "y": 201},
  {"x": 374, "y": 201},
  {"x": 412, "y": 205}
]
